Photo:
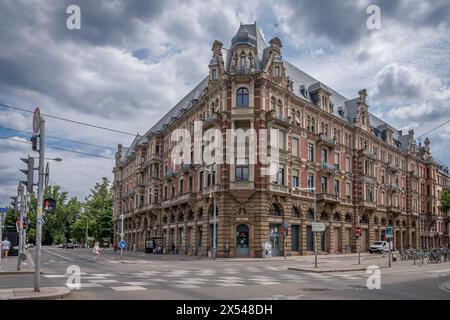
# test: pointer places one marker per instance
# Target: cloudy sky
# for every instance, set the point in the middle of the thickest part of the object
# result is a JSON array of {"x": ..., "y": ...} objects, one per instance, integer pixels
[{"x": 132, "y": 60}]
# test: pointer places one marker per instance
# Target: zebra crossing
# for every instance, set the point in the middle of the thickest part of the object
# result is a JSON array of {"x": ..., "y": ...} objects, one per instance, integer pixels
[{"x": 201, "y": 278}]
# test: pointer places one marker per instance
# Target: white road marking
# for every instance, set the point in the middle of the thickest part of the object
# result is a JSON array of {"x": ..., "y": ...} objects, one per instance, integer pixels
[
  {"x": 90, "y": 285},
  {"x": 230, "y": 284},
  {"x": 103, "y": 274},
  {"x": 140, "y": 283},
  {"x": 129, "y": 288},
  {"x": 58, "y": 255},
  {"x": 103, "y": 281},
  {"x": 186, "y": 286},
  {"x": 93, "y": 278},
  {"x": 54, "y": 276},
  {"x": 439, "y": 271}
]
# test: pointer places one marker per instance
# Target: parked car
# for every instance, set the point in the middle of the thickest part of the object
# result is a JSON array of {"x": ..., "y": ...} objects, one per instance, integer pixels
[
  {"x": 68, "y": 245},
  {"x": 379, "y": 247}
]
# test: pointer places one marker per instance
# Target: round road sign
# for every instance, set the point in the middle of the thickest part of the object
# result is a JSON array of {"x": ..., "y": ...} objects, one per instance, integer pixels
[
  {"x": 36, "y": 120},
  {"x": 122, "y": 244}
]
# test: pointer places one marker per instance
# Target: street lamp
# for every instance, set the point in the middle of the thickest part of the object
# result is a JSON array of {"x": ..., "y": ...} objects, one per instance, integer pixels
[
  {"x": 313, "y": 189},
  {"x": 211, "y": 195}
]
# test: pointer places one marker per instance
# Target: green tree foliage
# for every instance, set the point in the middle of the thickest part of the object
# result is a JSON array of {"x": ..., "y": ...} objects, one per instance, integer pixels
[
  {"x": 56, "y": 228},
  {"x": 445, "y": 200}
]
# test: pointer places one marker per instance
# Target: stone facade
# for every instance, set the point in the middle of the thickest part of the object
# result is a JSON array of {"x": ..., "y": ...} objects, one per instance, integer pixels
[{"x": 365, "y": 172}]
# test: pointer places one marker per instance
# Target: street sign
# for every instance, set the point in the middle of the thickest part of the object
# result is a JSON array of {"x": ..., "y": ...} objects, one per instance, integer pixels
[
  {"x": 47, "y": 173},
  {"x": 318, "y": 227},
  {"x": 122, "y": 244},
  {"x": 286, "y": 225},
  {"x": 357, "y": 231},
  {"x": 3, "y": 209},
  {"x": 36, "y": 120},
  {"x": 388, "y": 233}
]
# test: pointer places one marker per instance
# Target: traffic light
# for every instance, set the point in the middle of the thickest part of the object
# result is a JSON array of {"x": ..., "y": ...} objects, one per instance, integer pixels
[
  {"x": 29, "y": 172},
  {"x": 49, "y": 204},
  {"x": 34, "y": 143}
]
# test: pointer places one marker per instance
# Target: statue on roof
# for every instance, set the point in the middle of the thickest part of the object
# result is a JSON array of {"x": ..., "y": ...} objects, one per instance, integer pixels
[{"x": 362, "y": 96}]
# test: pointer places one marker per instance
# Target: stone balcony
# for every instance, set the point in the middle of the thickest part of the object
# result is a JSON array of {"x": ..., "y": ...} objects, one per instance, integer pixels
[
  {"x": 368, "y": 204},
  {"x": 326, "y": 140},
  {"x": 212, "y": 189},
  {"x": 211, "y": 120},
  {"x": 368, "y": 154},
  {"x": 154, "y": 158},
  {"x": 393, "y": 209},
  {"x": 183, "y": 198},
  {"x": 392, "y": 167},
  {"x": 242, "y": 185},
  {"x": 392, "y": 187},
  {"x": 276, "y": 188},
  {"x": 327, "y": 198},
  {"x": 414, "y": 174},
  {"x": 328, "y": 168},
  {"x": 278, "y": 119},
  {"x": 237, "y": 70},
  {"x": 242, "y": 111}
]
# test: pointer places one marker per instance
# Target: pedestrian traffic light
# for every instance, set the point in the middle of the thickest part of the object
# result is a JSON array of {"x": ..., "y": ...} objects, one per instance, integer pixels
[
  {"x": 49, "y": 204},
  {"x": 29, "y": 172},
  {"x": 34, "y": 143}
]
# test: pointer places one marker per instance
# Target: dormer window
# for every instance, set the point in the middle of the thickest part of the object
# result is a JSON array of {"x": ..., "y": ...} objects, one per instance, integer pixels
[
  {"x": 277, "y": 71},
  {"x": 242, "y": 98}
]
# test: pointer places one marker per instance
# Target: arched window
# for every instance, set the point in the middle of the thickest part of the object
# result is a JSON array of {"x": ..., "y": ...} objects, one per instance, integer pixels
[
  {"x": 242, "y": 98},
  {"x": 310, "y": 214},
  {"x": 295, "y": 212},
  {"x": 348, "y": 217},
  {"x": 313, "y": 124},
  {"x": 279, "y": 107},
  {"x": 272, "y": 103},
  {"x": 275, "y": 210}
]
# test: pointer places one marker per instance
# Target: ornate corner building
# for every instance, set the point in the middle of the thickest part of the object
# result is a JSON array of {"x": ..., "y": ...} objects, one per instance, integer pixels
[{"x": 365, "y": 172}]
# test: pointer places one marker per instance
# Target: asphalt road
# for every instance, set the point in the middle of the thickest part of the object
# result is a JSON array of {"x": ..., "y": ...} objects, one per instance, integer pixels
[{"x": 174, "y": 277}]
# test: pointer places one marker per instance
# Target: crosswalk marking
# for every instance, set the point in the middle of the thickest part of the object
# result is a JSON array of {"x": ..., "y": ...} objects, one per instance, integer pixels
[{"x": 128, "y": 288}]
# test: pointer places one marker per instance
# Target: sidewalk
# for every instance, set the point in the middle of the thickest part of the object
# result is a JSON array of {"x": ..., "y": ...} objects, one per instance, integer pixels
[
  {"x": 29, "y": 294},
  {"x": 9, "y": 266}
]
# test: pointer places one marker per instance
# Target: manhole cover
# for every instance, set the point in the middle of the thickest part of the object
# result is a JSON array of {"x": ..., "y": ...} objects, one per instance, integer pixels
[{"x": 315, "y": 289}]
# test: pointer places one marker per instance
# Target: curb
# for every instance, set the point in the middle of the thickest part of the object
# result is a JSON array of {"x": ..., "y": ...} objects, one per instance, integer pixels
[
  {"x": 60, "y": 293},
  {"x": 328, "y": 270},
  {"x": 17, "y": 272}
]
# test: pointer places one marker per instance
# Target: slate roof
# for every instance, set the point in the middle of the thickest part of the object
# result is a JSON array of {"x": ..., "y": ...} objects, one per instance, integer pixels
[{"x": 344, "y": 108}]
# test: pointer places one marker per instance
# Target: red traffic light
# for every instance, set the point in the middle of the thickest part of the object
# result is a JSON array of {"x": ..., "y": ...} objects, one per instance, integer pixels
[
  {"x": 49, "y": 204},
  {"x": 358, "y": 231}
]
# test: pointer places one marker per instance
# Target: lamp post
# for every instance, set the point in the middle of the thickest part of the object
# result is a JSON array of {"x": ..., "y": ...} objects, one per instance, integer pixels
[
  {"x": 211, "y": 195},
  {"x": 313, "y": 189}
]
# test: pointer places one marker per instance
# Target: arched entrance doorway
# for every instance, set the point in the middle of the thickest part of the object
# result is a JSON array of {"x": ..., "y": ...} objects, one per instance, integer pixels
[{"x": 242, "y": 240}]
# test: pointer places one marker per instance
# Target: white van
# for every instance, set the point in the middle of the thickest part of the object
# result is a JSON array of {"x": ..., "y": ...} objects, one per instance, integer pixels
[{"x": 379, "y": 247}]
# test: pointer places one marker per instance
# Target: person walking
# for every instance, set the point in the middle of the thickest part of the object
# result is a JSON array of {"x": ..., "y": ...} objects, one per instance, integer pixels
[
  {"x": 96, "y": 251},
  {"x": 6, "y": 245}
]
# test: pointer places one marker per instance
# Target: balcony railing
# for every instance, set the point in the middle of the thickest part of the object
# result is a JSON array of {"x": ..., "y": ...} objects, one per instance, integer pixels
[
  {"x": 211, "y": 120},
  {"x": 179, "y": 199},
  {"x": 328, "y": 197},
  {"x": 242, "y": 185},
  {"x": 185, "y": 168},
  {"x": 329, "y": 167},
  {"x": 242, "y": 111},
  {"x": 278, "y": 118},
  {"x": 392, "y": 187},
  {"x": 368, "y": 204},
  {"x": 211, "y": 189},
  {"x": 241, "y": 70},
  {"x": 169, "y": 174},
  {"x": 393, "y": 209},
  {"x": 278, "y": 188},
  {"x": 392, "y": 167},
  {"x": 368, "y": 153},
  {"x": 326, "y": 140}
]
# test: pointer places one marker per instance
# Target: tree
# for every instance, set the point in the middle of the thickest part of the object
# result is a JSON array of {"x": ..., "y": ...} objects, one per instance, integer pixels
[
  {"x": 99, "y": 210},
  {"x": 445, "y": 200},
  {"x": 56, "y": 228}
]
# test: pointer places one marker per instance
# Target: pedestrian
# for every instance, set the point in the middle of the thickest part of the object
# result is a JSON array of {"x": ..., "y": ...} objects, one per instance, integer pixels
[
  {"x": 173, "y": 248},
  {"x": 96, "y": 251},
  {"x": 6, "y": 245}
]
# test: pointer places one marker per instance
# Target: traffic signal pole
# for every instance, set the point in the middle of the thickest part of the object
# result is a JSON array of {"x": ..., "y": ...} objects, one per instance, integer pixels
[
  {"x": 39, "y": 221},
  {"x": 20, "y": 249}
]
